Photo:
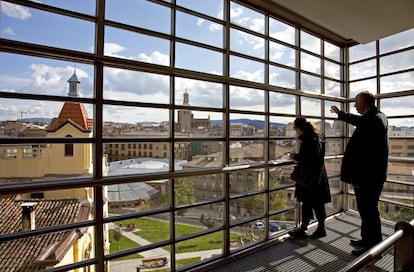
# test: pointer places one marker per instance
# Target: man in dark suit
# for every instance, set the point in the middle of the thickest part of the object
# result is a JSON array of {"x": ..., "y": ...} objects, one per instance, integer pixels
[{"x": 364, "y": 165}]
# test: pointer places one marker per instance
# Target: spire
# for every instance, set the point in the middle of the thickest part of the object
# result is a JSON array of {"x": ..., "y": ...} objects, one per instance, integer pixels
[
  {"x": 74, "y": 85},
  {"x": 186, "y": 100}
]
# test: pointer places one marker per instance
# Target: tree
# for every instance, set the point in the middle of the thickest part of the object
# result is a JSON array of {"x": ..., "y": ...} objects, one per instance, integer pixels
[{"x": 184, "y": 193}]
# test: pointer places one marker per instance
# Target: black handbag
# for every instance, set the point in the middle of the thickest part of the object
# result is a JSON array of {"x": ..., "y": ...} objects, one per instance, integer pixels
[{"x": 298, "y": 176}]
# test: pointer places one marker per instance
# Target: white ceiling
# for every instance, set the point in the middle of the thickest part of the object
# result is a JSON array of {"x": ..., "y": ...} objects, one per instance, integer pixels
[{"x": 360, "y": 21}]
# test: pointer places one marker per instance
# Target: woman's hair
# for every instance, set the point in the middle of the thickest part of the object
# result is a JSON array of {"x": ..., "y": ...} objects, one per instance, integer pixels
[{"x": 307, "y": 127}]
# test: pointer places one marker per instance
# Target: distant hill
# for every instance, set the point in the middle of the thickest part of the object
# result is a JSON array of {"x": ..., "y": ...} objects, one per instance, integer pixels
[
  {"x": 256, "y": 123},
  {"x": 38, "y": 120}
]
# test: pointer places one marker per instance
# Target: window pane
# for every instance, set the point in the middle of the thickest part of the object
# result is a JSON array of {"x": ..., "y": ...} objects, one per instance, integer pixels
[
  {"x": 145, "y": 14},
  {"x": 398, "y": 41},
  {"x": 397, "y": 62},
  {"x": 198, "y": 29},
  {"x": 397, "y": 82},
  {"x": 332, "y": 51},
  {"x": 200, "y": 154},
  {"x": 398, "y": 106},
  {"x": 281, "y": 103},
  {"x": 332, "y": 70},
  {"x": 134, "y": 46},
  {"x": 212, "y": 8},
  {"x": 81, "y": 6},
  {"x": 362, "y": 51},
  {"x": 121, "y": 84},
  {"x": 138, "y": 116},
  {"x": 190, "y": 123},
  {"x": 282, "y": 54},
  {"x": 194, "y": 58},
  {"x": 20, "y": 28},
  {"x": 310, "y": 42},
  {"x": 246, "y": 17},
  {"x": 193, "y": 92},
  {"x": 246, "y": 69},
  {"x": 245, "y": 152},
  {"x": 362, "y": 69},
  {"x": 244, "y": 125},
  {"x": 282, "y": 77},
  {"x": 34, "y": 75},
  {"x": 311, "y": 83},
  {"x": 333, "y": 88},
  {"x": 246, "y": 43},
  {"x": 281, "y": 31},
  {"x": 363, "y": 85},
  {"x": 246, "y": 99},
  {"x": 310, "y": 63},
  {"x": 311, "y": 106}
]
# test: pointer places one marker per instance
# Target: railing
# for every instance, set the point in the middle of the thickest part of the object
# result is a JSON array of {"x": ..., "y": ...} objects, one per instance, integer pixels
[{"x": 403, "y": 242}]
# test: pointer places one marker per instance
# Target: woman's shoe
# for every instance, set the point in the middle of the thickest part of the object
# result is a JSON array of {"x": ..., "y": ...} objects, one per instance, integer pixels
[
  {"x": 319, "y": 233},
  {"x": 299, "y": 233}
]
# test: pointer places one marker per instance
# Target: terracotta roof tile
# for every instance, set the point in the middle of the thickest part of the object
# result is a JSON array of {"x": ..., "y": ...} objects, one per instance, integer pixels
[
  {"x": 20, "y": 255},
  {"x": 75, "y": 112}
]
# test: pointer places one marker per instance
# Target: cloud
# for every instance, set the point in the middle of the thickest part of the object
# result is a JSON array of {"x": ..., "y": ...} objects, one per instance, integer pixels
[
  {"x": 15, "y": 11},
  {"x": 112, "y": 49},
  {"x": 9, "y": 30},
  {"x": 155, "y": 57}
]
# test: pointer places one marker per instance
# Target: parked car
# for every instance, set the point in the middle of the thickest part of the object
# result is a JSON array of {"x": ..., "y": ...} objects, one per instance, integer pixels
[
  {"x": 287, "y": 226},
  {"x": 273, "y": 227},
  {"x": 257, "y": 225}
]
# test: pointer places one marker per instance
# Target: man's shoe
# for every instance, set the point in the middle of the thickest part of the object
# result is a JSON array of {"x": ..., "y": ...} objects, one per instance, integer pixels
[
  {"x": 298, "y": 233},
  {"x": 360, "y": 251},
  {"x": 319, "y": 233},
  {"x": 359, "y": 243}
]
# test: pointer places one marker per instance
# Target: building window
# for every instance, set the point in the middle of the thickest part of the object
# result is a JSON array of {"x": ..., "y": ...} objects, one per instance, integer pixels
[{"x": 68, "y": 148}]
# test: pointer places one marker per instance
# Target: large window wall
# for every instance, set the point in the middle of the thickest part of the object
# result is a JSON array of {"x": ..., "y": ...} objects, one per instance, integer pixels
[{"x": 179, "y": 124}]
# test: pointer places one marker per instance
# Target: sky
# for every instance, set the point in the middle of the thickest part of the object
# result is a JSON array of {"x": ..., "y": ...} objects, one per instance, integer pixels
[{"x": 25, "y": 74}]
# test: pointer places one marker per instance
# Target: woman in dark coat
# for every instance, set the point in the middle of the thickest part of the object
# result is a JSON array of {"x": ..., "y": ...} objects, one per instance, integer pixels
[{"x": 314, "y": 192}]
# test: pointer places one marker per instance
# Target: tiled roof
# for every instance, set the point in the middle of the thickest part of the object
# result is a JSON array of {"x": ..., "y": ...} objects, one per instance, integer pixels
[
  {"x": 74, "y": 112},
  {"x": 20, "y": 255}
]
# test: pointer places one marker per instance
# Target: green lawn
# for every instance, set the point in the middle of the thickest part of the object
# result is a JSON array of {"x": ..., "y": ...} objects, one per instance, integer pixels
[
  {"x": 122, "y": 244},
  {"x": 156, "y": 231}
]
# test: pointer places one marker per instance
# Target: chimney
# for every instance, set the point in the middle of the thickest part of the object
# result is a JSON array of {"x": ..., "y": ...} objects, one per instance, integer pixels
[{"x": 28, "y": 216}]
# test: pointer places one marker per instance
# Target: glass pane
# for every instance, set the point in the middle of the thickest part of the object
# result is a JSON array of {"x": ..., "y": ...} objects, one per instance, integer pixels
[
  {"x": 328, "y": 105},
  {"x": 398, "y": 41},
  {"x": 282, "y": 77},
  {"x": 197, "y": 123},
  {"x": 20, "y": 27},
  {"x": 280, "y": 175},
  {"x": 362, "y": 51},
  {"x": 333, "y": 88},
  {"x": 332, "y": 51},
  {"x": 244, "y": 125},
  {"x": 398, "y": 106},
  {"x": 397, "y": 62},
  {"x": 208, "y": 154},
  {"x": 35, "y": 75},
  {"x": 81, "y": 6},
  {"x": 145, "y": 14},
  {"x": 311, "y": 106},
  {"x": 138, "y": 118},
  {"x": 246, "y": 17},
  {"x": 193, "y": 58},
  {"x": 397, "y": 82},
  {"x": 282, "y": 199},
  {"x": 246, "y": 207},
  {"x": 310, "y": 63},
  {"x": 279, "y": 127},
  {"x": 245, "y": 152},
  {"x": 282, "y": 54},
  {"x": 310, "y": 42},
  {"x": 212, "y": 242},
  {"x": 198, "y": 29},
  {"x": 246, "y": 43},
  {"x": 281, "y": 31},
  {"x": 135, "y": 46},
  {"x": 363, "y": 69},
  {"x": 212, "y": 8},
  {"x": 127, "y": 85},
  {"x": 310, "y": 83},
  {"x": 281, "y": 103},
  {"x": 246, "y": 99},
  {"x": 363, "y": 85},
  {"x": 398, "y": 127},
  {"x": 246, "y": 69},
  {"x": 193, "y": 92},
  {"x": 247, "y": 181},
  {"x": 332, "y": 70},
  {"x": 246, "y": 234}
]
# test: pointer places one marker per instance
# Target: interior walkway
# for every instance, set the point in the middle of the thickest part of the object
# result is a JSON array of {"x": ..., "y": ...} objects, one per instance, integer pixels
[{"x": 330, "y": 253}]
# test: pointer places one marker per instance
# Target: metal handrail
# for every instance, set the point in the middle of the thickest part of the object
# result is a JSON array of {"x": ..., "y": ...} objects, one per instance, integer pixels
[{"x": 403, "y": 230}]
